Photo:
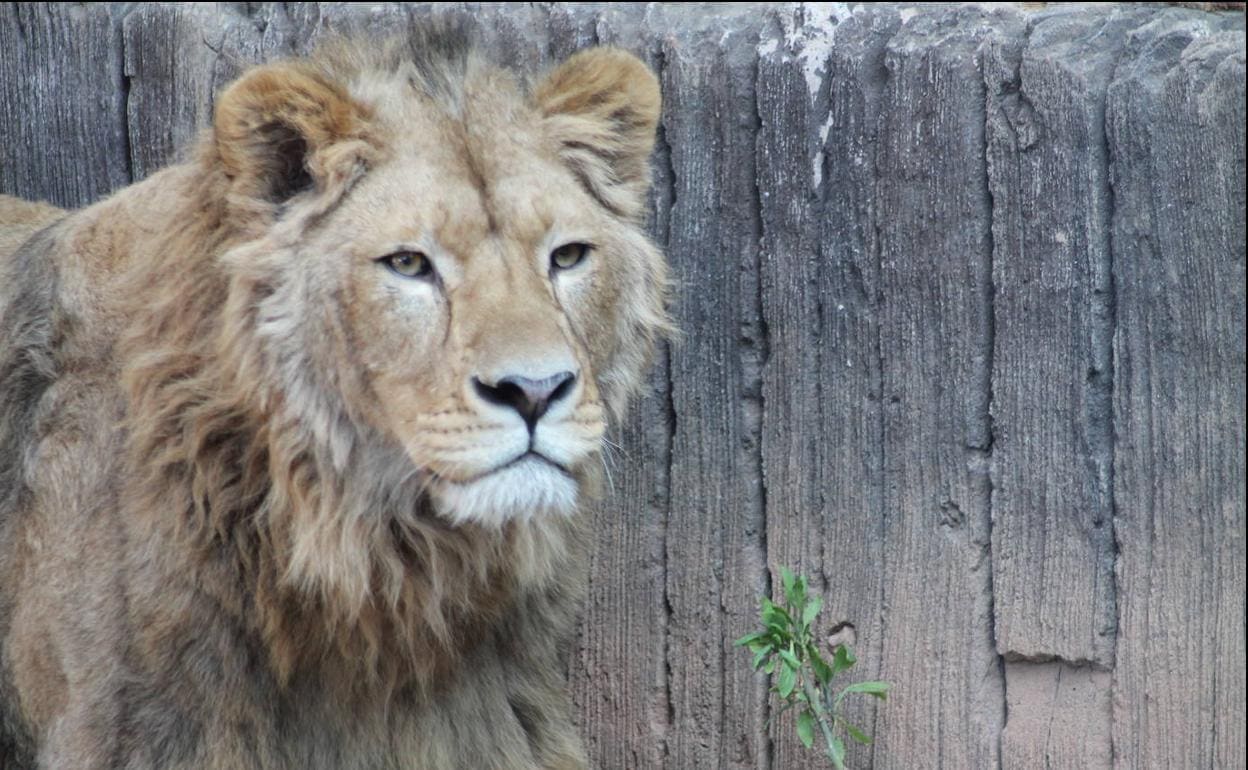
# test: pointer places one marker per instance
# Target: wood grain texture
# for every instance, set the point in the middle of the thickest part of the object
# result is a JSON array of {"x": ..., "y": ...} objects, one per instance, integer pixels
[
  {"x": 819, "y": 104},
  {"x": 936, "y": 346},
  {"x": 1176, "y": 132},
  {"x": 618, "y": 670},
  {"x": 1053, "y": 548},
  {"x": 1057, "y": 717},
  {"x": 789, "y": 276},
  {"x": 62, "y": 102},
  {"x": 962, "y": 300},
  {"x": 176, "y": 59},
  {"x": 715, "y": 557}
]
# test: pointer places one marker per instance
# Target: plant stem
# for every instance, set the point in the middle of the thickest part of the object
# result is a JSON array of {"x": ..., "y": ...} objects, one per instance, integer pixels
[{"x": 821, "y": 713}]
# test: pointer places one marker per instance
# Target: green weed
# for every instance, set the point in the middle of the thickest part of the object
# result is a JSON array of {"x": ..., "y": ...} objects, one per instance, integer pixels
[{"x": 802, "y": 678}]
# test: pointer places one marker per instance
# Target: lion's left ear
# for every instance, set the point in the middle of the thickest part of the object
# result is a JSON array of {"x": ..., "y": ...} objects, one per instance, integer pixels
[
  {"x": 602, "y": 106},
  {"x": 283, "y": 129}
]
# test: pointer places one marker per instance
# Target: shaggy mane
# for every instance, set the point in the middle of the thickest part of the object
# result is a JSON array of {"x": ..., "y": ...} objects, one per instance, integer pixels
[{"x": 317, "y": 527}]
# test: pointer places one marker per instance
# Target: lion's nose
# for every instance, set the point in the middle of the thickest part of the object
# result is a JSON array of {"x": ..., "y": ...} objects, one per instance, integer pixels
[{"x": 531, "y": 398}]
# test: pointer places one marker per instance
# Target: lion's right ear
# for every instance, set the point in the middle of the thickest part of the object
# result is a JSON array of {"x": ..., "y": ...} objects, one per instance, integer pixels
[
  {"x": 283, "y": 129},
  {"x": 602, "y": 107}
]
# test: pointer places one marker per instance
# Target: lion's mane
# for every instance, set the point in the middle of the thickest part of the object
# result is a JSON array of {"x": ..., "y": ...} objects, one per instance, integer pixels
[
  {"x": 291, "y": 496},
  {"x": 254, "y": 563}
]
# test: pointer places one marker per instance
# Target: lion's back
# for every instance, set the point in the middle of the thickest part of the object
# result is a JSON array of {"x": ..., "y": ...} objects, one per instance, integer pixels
[
  {"x": 27, "y": 295},
  {"x": 27, "y": 281},
  {"x": 20, "y": 219}
]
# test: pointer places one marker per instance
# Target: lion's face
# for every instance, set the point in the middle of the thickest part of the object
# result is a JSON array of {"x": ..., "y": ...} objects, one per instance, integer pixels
[
  {"x": 470, "y": 282},
  {"x": 481, "y": 307}
]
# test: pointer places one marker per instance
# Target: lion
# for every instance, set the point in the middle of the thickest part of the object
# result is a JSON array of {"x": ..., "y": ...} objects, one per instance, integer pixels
[{"x": 297, "y": 436}]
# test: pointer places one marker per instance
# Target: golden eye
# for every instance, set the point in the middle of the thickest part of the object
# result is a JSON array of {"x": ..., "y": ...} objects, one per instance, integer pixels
[
  {"x": 569, "y": 255},
  {"x": 409, "y": 264}
]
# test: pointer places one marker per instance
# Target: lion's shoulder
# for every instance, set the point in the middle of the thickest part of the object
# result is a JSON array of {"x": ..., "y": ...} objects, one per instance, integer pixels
[
  {"x": 20, "y": 219},
  {"x": 19, "y": 212},
  {"x": 27, "y": 295}
]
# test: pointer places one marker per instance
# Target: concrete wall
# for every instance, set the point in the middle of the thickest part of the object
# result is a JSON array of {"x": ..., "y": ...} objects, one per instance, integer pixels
[{"x": 963, "y": 298}]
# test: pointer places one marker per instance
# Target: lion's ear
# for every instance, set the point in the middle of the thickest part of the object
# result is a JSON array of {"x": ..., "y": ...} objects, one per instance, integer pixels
[
  {"x": 602, "y": 106},
  {"x": 283, "y": 129}
]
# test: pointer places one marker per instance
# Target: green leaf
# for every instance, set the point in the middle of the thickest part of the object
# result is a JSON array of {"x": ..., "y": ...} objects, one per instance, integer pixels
[
  {"x": 789, "y": 659},
  {"x": 750, "y": 638},
  {"x": 855, "y": 733},
  {"x": 806, "y": 728},
  {"x": 786, "y": 678},
  {"x": 823, "y": 672},
  {"x": 877, "y": 689},
  {"x": 769, "y": 666},
  {"x": 836, "y": 753},
  {"x": 787, "y": 581},
  {"x": 811, "y": 610},
  {"x": 798, "y": 598},
  {"x": 759, "y": 657},
  {"x": 842, "y": 659},
  {"x": 760, "y": 646},
  {"x": 776, "y": 618}
]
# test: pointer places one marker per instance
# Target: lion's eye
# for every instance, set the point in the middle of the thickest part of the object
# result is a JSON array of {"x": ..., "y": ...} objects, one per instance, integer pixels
[
  {"x": 409, "y": 264},
  {"x": 569, "y": 255}
]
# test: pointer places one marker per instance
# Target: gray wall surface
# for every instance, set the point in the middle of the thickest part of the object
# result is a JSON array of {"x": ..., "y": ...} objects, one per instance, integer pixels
[{"x": 962, "y": 293}]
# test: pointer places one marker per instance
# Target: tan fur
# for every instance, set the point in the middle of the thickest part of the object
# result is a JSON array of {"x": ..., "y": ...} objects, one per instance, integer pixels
[
  {"x": 254, "y": 516},
  {"x": 21, "y": 219}
]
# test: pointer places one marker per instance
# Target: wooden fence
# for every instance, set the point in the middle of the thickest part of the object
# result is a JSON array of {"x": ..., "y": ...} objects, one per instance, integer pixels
[{"x": 962, "y": 293}]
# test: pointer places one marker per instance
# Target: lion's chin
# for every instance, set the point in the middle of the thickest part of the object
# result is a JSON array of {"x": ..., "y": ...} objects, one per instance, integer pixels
[{"x": 520, "y": 490}]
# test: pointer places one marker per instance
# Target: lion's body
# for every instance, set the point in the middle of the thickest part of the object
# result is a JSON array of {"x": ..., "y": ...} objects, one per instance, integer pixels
[{"x": 221, "y": 548}]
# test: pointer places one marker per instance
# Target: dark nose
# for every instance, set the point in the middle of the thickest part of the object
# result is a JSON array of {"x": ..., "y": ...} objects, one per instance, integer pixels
[{"x": 531, "y": 398}]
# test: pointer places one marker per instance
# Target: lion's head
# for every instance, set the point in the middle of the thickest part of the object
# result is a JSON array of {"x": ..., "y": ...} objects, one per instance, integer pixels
[
  {"x": 409, "y": 293},
  {"x": 457, "y": 260}
]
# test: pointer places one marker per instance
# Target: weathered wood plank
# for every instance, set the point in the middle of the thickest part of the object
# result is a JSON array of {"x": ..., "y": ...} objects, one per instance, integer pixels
[
  {"x": 1053, "y": 548},
  {"x": 935, "y": 328},
  {"x": 715, "y": 554},
  {"x": 619, "y": 670},
  {"x": 822, "y": 430},
  {"x": 789, "y": 271},
  {"x": 176, "y": 58},
  {"x": 62, "y": 103},
  {"x": 619, "y": 673},
  {"x": 1057, "y": 717},
  {"x": 851, "y": 367},
  {"x": 1176, "y": 129},
  {"x": 1052, "y": 544}
]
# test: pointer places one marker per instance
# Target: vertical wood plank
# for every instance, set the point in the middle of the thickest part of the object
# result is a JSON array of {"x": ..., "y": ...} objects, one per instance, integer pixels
[
  {"x": 714, "y": 543},
  {"x": 935, "y": 246},
  {"x": 1052, "y": 547},
  {"x": 619, "y": 670},
  {"x": 1176, "y": 131},
  {"x": 852, "y": 470},
  {"x": 790, "y": 110},
  {"x": 176, "y": 58},
  {"x": 62, "y": 102},
  {"x": 1058, "y": 716},
  {"x": 819, "y": 82}
]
